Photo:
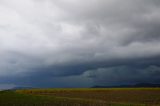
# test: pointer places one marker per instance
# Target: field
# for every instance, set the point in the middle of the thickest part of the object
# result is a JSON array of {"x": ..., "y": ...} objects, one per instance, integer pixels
[{"x": 82, "y": 97}]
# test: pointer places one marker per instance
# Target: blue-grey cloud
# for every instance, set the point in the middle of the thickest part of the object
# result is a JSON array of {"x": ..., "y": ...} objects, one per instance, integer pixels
[{"x": 49, "y": 41}]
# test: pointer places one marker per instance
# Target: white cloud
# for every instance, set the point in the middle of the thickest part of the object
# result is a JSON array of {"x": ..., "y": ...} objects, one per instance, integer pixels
[{"x": 50, "y": 32}]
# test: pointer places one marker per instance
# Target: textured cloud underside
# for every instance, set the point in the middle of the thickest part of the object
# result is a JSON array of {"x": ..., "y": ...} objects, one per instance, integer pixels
[{"x": 63, "y": 40}]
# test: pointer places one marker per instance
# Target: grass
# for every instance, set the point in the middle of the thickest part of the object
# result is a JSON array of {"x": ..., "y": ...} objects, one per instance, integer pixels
[
  {"x": 82, "y": 97},
  {"x": 11, "y": 98}
]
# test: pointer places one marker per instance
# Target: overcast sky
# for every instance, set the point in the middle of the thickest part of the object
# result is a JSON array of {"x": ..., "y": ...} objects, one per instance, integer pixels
[{"x": 79, "y": 43}]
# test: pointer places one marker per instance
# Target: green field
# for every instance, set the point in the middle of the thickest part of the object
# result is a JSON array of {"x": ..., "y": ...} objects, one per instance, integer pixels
[{"x": 82, "y": 97}]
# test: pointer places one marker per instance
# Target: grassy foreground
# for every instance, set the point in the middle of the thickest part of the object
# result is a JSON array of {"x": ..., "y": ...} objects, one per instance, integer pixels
[{"x": 82, "y": 97}]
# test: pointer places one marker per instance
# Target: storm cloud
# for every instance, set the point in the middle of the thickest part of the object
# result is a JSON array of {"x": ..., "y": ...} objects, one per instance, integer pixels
[{"x": 77, "y": 43}]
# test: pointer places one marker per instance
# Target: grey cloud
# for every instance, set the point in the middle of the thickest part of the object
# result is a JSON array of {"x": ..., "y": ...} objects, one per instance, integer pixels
[
  {"x": 62, "y": 38},
  {"x": 124, "y": 75}
]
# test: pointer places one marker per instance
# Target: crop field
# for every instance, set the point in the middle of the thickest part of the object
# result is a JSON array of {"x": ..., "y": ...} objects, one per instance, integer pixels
[{"x": 82, "y": 97}]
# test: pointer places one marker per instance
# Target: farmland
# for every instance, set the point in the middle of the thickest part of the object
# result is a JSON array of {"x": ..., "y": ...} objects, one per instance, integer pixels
[{"x": 82, "y": 97}]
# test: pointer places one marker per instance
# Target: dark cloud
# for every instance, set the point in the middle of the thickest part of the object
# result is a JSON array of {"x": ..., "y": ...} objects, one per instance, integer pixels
[
  {"x": 49, "y": 41},
  {"x": 124, "y": 75}
]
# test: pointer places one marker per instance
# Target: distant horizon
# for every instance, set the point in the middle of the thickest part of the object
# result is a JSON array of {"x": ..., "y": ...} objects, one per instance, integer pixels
[{"x": 94, "y": 86}]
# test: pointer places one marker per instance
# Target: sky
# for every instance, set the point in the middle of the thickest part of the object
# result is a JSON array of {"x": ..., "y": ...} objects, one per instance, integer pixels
[{"x": 79, "y": 43}]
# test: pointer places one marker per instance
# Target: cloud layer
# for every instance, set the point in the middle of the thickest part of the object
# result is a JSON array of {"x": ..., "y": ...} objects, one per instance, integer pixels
[{"x": 50, "y": 43}]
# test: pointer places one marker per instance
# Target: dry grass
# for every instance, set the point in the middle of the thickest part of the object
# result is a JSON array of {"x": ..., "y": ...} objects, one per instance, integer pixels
[{"x": 114, "y": 96}]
